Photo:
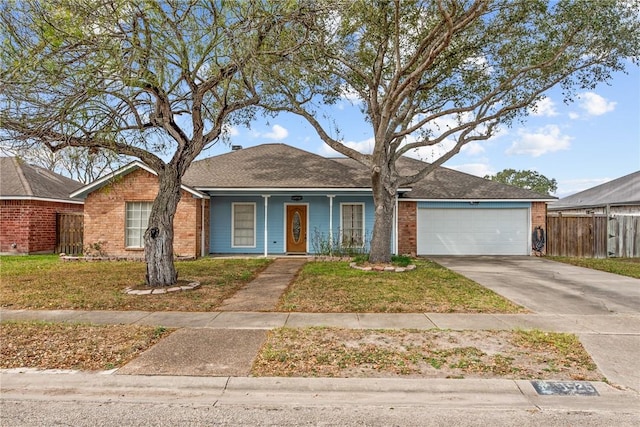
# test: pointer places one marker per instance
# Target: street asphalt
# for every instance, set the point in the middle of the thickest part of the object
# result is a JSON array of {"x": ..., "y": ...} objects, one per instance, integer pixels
[{"x": 213, "y": 351}]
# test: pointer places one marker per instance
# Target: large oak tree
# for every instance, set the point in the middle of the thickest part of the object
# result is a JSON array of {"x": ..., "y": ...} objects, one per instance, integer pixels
[
  {"x": 158, "y": 81},
  {"x": 443, "y": 73}
]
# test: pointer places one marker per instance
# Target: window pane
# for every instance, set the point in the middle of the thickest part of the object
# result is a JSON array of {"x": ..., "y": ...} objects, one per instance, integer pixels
[
  {"x": 136, "y": 222},
  {"x": 352, "y": 225},
  {"x": 243, "y": 225}
]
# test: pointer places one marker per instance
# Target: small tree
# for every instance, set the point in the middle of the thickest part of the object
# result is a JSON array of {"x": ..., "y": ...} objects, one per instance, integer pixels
[
  {"x": 153, "y": 80},
  {"x": 445, "y": 73},
  {"x": 531, "y": 180},
  {"x": 82, "y": 164}
]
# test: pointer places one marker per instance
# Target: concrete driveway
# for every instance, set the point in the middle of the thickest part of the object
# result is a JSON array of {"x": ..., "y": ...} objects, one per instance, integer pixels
[{"x": 546, "y": 286}]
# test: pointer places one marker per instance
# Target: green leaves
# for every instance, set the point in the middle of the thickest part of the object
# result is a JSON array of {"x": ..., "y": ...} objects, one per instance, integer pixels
[{"x": 530, "y": 180}]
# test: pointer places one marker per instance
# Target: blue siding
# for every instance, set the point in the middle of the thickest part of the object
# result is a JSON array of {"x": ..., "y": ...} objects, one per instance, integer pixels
[{"x": 317, "y": 224}]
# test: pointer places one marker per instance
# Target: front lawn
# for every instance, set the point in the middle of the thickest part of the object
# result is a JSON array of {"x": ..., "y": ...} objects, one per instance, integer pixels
[
  {"x": 334, "y": 287},
  {"x": 45, "y": 282},
  {"x": 623, "y": 266},
  {"x": 335, "y": 352},
  {"x": 44, "y": 345}
]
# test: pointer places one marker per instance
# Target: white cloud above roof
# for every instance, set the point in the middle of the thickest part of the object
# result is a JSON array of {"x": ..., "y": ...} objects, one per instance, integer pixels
[
  {"x": 278, "y": 133},
  {"x": 594, "y": 104},
  {"x": 547, "y": 139},
  {"x": 544, "y": 108}
]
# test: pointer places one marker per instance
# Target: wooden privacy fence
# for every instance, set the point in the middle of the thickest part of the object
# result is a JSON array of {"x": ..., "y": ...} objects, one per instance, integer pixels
[
  {"x": 593, "y": 236},
  {"x": 69, "y": 230}
]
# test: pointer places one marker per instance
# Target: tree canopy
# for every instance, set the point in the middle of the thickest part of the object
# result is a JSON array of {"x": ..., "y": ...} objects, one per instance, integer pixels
[
  {"x": 531, "y": 180},
  {"x": 154, "y": 80},
  {"x": 446, "y": 73}
]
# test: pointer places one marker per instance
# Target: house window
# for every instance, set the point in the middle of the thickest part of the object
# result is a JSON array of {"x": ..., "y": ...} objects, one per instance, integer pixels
[
  {"x": 137, "y": 219},
  {"x": 244, "y": 225},
  {"x": 352, "y": 225}
]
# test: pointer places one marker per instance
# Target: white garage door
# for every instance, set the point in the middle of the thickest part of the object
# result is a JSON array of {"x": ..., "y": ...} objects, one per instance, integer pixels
[{"x": 473, "y": 231}]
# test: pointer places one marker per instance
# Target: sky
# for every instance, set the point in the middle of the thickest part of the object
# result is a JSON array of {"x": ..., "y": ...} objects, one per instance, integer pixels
[{"x": 582, "y": 144}]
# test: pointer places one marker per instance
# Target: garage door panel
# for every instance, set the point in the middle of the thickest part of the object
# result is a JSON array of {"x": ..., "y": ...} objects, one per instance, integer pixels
[{"x": 473, "y": 231}]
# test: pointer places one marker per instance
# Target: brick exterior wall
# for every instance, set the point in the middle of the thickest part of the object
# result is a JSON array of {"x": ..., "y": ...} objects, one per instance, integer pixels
[
  {"x": 104, "y": 217},
  {"x": 539, "y": 218},
  {"x": 407, "y": 228},
  {"x": 31, "y": 225}
]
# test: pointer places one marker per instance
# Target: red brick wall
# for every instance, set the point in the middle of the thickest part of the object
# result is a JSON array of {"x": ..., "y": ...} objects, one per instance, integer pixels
[
  {"x": 31, "y": 225},
  {"x": 539, "y": 217},
  {"x": 104, "y": 216},
  {"x": 407, "y": 228}
]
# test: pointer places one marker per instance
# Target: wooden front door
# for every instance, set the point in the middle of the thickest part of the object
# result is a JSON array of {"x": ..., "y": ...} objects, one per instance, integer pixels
[{"x": 297, "y": 228}]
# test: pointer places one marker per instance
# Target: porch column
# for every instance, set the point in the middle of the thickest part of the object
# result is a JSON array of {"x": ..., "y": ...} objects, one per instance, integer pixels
[
  {"x": 266, "y": 222},
  {"x": 395, "y": 227},
  {"x": 330, "y": 196}
]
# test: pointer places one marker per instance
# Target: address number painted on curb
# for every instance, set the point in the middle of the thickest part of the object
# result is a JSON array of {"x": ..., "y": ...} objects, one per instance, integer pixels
[{"x": 565, "y": 388}]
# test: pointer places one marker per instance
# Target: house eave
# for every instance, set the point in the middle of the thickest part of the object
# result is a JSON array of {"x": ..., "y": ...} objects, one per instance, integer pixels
[
  {"x": 289, "y": 189},
  {"x": 473, "y": 199},
  {"x": 592, "y": 206},
  {"x": 42, "y": 199}
]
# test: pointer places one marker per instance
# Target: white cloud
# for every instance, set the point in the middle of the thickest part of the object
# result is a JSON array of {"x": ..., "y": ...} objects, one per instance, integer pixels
[
  {"x": 277, "y": 133},
  {"x": 477, "y": 169},
  {"x": 594, "y": 104},
  {"x": 472, "y": 148},
  {"x": 574, "y": 116},
  {"x": 364, "y": 146},
  {"x": 545, "y": 107},
  {"x": 545, "y": 140},
  {"x": 229, "y": 130}
]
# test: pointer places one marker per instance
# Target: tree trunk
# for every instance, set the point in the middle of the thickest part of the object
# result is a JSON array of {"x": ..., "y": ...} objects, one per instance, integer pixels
[
  {"x": 158, "y": 238},
  {"x": 384, "y": 202}
]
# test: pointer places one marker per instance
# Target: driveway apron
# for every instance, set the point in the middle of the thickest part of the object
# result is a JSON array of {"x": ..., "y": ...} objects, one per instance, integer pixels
[{"x": 549, "y": 287}]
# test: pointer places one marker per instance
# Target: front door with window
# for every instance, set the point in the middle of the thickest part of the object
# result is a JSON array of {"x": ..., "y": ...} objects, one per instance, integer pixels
[{"x": 297, "y": 228}]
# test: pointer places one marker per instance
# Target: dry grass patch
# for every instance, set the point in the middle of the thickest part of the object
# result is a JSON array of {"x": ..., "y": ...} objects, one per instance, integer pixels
[
  {"x": 45, "y": 345},
  {"x": 45, "y": 282},
  {"x": 333, "y": 287},
  {"x": 334, "y": 352}
]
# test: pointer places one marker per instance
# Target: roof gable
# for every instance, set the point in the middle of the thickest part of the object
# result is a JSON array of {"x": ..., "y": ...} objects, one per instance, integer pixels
[
  {"x": 621, "y": 191},
  {"x": 84, "y": 191},
  {"x": 22, "y": 180}
]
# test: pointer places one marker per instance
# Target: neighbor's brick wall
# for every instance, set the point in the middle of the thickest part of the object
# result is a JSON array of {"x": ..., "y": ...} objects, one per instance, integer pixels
[
  {"x": 407, "y": 228},
  {"x": 31, "y": 225},
  {"x": 104, "y": 216}
]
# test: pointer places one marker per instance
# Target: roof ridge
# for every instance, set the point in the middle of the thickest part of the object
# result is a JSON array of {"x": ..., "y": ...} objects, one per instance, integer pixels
[{"x": 18, "y": 164}]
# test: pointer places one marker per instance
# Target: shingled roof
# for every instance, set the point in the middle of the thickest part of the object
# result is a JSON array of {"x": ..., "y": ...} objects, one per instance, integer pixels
[
  {"x": 449, "y": 184},
  {"x": 20, "y": 180},
  {"x": 621, "y": 191},
  {"x": 273, "y": 166}
]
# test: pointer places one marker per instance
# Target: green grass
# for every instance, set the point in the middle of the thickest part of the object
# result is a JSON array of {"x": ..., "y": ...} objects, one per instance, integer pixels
[
  {"x": 46, "y": 282},
  {"x": 335, "y": 287},
  {"x": 624, "y": 266}
]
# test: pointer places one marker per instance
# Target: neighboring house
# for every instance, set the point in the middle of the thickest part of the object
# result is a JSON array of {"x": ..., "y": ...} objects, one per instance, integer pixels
[
  {"x": 600, "y": 222},
  {"x": 620, "y": 196},
  {"x": 276, "y": 199},
  {"x": 31, "y": 197}
]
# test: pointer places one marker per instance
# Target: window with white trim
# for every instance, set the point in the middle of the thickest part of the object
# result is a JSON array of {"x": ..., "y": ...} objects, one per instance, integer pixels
[
  {"x": 352, "y": 225},
  {"x": 136, "y": 222},
  {"x": 243, "y": 217}
]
